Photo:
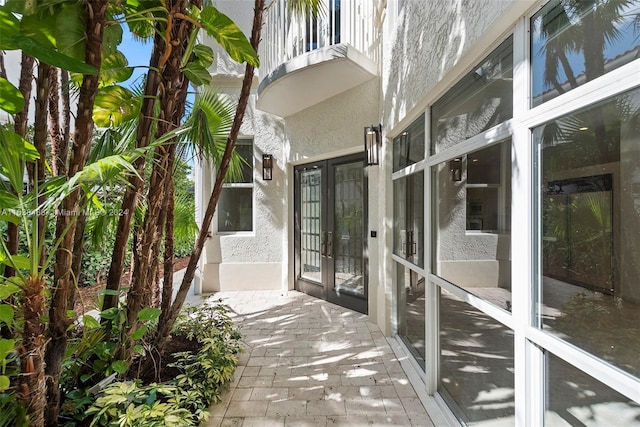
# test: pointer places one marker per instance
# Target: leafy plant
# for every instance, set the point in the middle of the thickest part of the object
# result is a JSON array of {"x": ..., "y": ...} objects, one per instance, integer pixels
[
  {"x": 130, "y": 404},
  {"x": 92, "y": 359},
  {"x": 185, "y": 399}
]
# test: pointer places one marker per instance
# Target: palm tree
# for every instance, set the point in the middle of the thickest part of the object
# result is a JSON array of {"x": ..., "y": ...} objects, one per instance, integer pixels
[{"x": 167, "y": 319}]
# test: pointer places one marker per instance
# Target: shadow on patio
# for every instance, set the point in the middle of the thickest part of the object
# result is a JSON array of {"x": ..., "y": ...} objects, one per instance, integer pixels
[{"x": 312, "y": 363}]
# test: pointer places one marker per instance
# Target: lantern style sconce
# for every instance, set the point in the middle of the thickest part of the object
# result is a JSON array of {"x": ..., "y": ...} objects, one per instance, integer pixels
[
  {"x": 267, "y": 167},
  {"x": 456, "y": 169},
  {"x": 372, "y": 143}
]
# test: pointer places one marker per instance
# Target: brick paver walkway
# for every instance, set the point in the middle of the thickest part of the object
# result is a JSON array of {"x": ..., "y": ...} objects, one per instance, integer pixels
[{"x": 312, "y": 363}]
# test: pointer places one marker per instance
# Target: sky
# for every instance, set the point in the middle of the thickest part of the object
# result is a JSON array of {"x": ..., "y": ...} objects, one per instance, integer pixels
[{"x": 137, "y": 53}]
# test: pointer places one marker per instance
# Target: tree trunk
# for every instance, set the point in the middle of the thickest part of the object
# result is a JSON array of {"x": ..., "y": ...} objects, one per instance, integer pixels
[
  {"x": 63, "y": 149},
  {"x": 173, "y": 98},
  {"x": 130, "y": 198},
  {"x": 32, "y": 385},
  {"x": 169, "y": 249},
  {"x": 54, "y": 121},
  {"x": 167, "y": 319},
  {"x": 20, "y": 127},
  {"x": 3, "y": 70},
  {"x": 65, "y": 287},
  {"x": 37, "y": 169}
]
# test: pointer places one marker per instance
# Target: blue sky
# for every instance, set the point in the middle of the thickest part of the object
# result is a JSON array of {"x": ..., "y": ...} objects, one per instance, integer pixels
[{"x": 137, "y": 53}]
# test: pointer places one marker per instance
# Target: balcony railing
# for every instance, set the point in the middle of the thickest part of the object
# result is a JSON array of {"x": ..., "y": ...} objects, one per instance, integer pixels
[{"x": 286, "y": 35}]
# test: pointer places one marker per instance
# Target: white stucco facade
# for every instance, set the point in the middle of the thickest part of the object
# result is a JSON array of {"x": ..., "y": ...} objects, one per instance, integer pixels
[{"x": 429, "y": 261}]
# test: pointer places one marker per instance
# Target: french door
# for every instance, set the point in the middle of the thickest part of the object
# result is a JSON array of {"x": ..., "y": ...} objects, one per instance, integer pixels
[{"x": 330, "y": 234}]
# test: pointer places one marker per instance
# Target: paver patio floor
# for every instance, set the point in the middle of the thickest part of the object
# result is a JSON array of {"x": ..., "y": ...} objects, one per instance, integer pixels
[{"x": 312, "y": 363}]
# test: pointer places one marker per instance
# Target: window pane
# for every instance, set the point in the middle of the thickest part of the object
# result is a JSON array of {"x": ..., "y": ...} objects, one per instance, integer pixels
[
  {"x": 473, "y": 223},
  {"x": 349, "y": 228},
  {"x": 235, "y": 209},
  {"x": 408, "y": 206},
  {"x": 574, "y": 42},
  {"x": 411, "y": 308},
  {"x": 408, "y": 148},
  {"x": 480, "y": 101},
  {"x": 476, "y": 364},
  {"x": 574, "y": 398},
  {"x": 590, "y": 223},
  {"x": 310, "y": 224},
  {"x": 244, "y": 148}
]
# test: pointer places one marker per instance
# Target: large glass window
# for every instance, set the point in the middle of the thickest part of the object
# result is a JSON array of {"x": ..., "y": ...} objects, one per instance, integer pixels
[
  {"x": 589, "y": 209},
  {"x": 408, "y": 147},
  {"x": 411, "y": 308},
  {"x": 476, "y": 364},
  {"x": 574, "y": 42},
  {"x": 573, "y": 398},
  {"x": 235, "y": 207},
  {"x": 408, "y": 193},
  {"x": 480, "y": 101},
  {"x": 473, "y": 216},
  {"x": 408, "y": 236}
]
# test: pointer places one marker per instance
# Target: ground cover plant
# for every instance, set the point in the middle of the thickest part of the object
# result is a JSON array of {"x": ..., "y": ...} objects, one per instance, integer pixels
[{"x": 198, "y": 362}]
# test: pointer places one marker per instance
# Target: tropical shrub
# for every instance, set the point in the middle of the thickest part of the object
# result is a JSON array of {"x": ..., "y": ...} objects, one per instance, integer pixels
[{"x": 185, "y": 399}]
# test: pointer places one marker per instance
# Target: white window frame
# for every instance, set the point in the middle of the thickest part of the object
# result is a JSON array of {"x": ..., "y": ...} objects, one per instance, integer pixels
[
  {"x": 530, "y": 342},
  {"x": 251, "y": 185}
]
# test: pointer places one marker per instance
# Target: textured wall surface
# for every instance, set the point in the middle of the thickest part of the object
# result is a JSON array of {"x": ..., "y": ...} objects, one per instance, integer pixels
[
  {"x": 264, "y": 244},
  {"x": 333, "y": 125},
  {"x": 430, "y": 38}
]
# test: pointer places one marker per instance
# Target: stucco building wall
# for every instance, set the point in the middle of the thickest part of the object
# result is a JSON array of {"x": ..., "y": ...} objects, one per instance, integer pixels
[{"x": 431, "y": 44}]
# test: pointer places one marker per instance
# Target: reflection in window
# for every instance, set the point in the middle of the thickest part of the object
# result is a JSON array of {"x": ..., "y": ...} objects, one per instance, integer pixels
[
  {"x": 487, "y": 183},
  {"x": 476, "y": 364},
  {"x": 349, "y": 228},
  {"x": 235, "y": 208},
  {"x": 590, "y": 222},
  {"x": 574, "y": 398},
  {"x": 408, "y": 207},
  {"x": 408, "y": 147},
  {"x": 473, "y": 217},
  {"x": 574, "y": 42},
  {"x": 480, "y": 101},
  {"x": 411, "y": 306}
]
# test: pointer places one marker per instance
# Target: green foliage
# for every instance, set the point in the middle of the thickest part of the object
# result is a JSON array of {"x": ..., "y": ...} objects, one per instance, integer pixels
[
  {"x": 11, "y": 99},
  {"x": 205, "y": 373},
  {"x": 130, "y": 404},
  {"x": 228, "y": 35},
  {"x": 184, "y": 400},
  {"x": 208, "y": 320},
  {"x": 95, "y": 265},
  {"x": 92, "y": 358},
  {"x": 13, "y": 413},
  {"x": 115, "y": 105}
]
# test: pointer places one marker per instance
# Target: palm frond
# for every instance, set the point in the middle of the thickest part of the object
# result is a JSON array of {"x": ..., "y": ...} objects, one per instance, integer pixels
[
  {"x": 184, "y": 226},
  {"x": 306, "y": 7},
  {"x": 206, "y": 130}
]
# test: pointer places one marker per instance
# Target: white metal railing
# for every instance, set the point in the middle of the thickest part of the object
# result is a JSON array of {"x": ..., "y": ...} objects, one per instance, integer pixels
[{"x": 285, "y": 35}]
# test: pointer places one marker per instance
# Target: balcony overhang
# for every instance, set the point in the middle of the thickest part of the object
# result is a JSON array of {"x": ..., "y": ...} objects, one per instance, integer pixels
[{"x": 313, "y": 77}]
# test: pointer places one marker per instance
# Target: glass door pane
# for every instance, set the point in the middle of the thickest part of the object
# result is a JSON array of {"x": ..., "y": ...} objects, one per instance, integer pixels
[
  {"x": 310, "y": 224},
  {"x": 348, "y": 236}
]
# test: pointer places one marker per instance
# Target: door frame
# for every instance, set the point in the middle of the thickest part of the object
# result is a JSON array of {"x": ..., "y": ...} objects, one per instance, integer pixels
[{"x": 326, "y": 288}]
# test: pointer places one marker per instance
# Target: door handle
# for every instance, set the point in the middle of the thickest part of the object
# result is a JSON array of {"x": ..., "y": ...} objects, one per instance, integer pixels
[
  {"x": 323, "y": 244},
  {"x": 329, "y": 244},
  {"x": 412, "y": 245}
]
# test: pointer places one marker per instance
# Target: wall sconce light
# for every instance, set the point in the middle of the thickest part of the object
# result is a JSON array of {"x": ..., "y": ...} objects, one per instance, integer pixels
[
  {"x": 456, "y": 169},
  {"x": 372, "y": 143},
  {"x": 267, "y": 167}
]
